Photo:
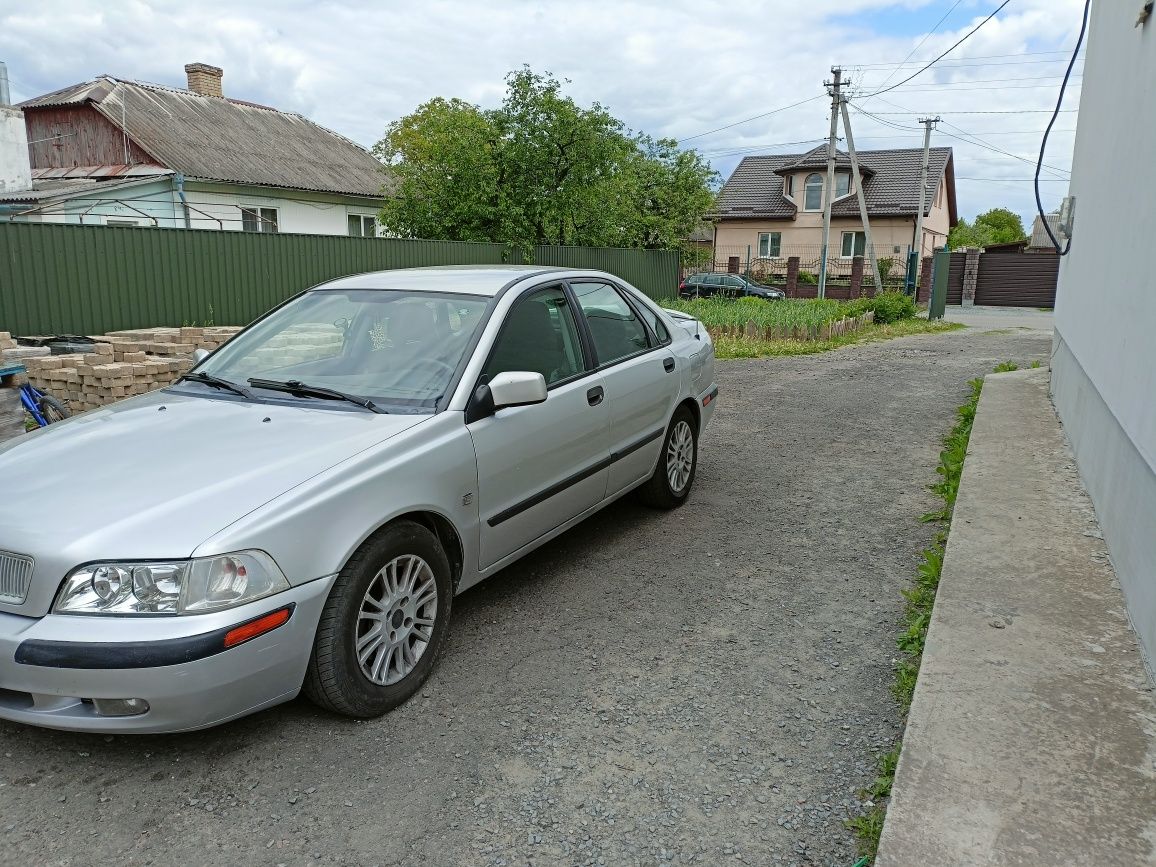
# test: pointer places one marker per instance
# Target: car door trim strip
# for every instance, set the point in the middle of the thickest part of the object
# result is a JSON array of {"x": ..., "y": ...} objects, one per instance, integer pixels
[
  {"x": 133, "y": 654},
  {"x": 570, "y": 481}
]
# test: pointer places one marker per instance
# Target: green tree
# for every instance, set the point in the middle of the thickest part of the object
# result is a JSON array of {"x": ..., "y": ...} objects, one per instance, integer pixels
[
  {"x": 538, "y": 170},
  {"x": 997, "y": 226}
]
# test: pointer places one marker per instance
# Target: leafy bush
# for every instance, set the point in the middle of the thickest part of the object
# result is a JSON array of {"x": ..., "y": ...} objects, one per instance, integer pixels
[
  {"x": 889, "y": 306},
  {"x": 808, "y": 277}
]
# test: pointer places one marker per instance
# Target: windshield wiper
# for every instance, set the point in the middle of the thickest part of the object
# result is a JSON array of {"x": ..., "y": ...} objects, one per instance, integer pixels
[
  {"x": 217, "y": 382},
  {"x": 302, "y": 389}
]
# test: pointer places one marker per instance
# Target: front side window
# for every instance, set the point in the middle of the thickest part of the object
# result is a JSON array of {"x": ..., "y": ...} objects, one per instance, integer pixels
[
  {"x": 813, "y": 192},
  {"x": 362, "y": 226},
  {"x": 842, "y": 184},
  {"x": 541, "y": 336},
  {"x": 259, "y": 219},
  {"x": 616, "y": 330},
  {"x": 770, "y": 244},
  {"x": 398, "y": 348},
  {"x": 854, "y": 244}
]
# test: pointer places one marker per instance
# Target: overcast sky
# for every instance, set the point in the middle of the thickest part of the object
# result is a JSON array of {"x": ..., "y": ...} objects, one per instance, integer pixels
[{"x": 676, "y": 68}]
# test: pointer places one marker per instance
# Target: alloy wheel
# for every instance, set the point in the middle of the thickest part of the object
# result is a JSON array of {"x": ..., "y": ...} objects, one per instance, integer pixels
[
  {"x": 679, "y": 456},
  {"x": 396, "y": 621}
]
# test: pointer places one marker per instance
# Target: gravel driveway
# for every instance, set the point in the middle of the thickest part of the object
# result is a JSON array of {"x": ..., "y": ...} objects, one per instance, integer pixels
[{"x": 705, "y": 685}]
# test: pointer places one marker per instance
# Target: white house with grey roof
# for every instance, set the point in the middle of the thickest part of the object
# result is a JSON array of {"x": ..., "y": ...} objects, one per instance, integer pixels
[
  {"x": 774, "y": 204},
  {"x": 117, "y": 152}
]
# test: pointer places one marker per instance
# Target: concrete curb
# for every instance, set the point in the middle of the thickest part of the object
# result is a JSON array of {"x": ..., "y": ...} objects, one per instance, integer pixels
[{"x": 1032, "y": 735}]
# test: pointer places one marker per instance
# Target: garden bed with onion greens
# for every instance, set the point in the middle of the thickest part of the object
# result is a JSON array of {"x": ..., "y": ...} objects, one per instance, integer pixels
[{"x": 754, "y": 328}]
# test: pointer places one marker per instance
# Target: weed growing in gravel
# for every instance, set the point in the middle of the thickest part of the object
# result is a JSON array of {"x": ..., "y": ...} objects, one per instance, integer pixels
[{"x": 917, "y": 613}]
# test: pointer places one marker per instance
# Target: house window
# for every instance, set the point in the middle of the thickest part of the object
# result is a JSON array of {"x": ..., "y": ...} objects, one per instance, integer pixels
[
  {"x": 259, "y": 219},
  {"x": 770, "y": 244},
  {"x": 842, "y": 184},
  {"x": 854, "y": 244},
  {"x": 362, "y": 226},
  {"x": 813, "y": 192},
  {"x": 789, "y": 185}
]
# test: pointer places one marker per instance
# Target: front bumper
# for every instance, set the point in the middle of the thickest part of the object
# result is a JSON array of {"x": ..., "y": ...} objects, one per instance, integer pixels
[{"x": 41, "y": 690}]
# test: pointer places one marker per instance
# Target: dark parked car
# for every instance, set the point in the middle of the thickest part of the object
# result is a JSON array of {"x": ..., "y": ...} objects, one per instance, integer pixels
[{"x": 728, "y": 286}]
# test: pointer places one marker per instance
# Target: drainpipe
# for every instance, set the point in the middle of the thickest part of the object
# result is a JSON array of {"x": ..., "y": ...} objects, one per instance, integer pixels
[{"x": 179, "y": 186}]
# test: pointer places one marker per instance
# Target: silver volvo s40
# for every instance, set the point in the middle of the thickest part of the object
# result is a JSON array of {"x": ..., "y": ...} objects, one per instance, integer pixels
[{"x": 298, "y": 512}]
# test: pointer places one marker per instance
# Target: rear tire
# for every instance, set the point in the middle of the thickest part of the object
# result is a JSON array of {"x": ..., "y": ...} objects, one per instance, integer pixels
[
  {"x": 52, "y": 409},
  {"x": 670, "y": 485},
  {"x": 383, "y": 623}
]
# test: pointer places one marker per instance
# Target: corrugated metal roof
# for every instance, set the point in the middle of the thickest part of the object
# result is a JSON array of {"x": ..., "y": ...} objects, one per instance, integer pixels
[
  {"x": 755, "y": 187},
  {"x": 49, "y": 189},
  {"x": 1040, "y": 237},
  {"x": 100, "y": 172},
  {"x": 227, "y": 140}
]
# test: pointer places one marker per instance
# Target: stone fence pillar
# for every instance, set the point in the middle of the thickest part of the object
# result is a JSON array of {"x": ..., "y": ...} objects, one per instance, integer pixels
[
  {"x": 792, "y": 276},
  {"x": 970, "y": 275},
  {"x": 856, "y": 276}
]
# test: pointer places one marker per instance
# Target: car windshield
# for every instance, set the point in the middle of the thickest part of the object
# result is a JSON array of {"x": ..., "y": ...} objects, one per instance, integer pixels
[{"x": 398, "y": 349}]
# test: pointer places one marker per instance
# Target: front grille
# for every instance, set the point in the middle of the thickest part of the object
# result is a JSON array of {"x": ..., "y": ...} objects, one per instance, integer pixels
[{"x": 15, "y": 575}]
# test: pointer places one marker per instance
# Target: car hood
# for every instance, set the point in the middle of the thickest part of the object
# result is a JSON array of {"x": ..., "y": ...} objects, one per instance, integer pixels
[{"x": 154, "y": 476}]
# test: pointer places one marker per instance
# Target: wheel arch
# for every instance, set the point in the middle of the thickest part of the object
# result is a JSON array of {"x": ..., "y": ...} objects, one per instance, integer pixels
[
  {"x": 438, "y": 524},
  {"x": 695, "y": 410}
]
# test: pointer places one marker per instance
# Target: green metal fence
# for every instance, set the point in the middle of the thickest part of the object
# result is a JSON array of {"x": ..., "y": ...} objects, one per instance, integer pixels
[{"x": 60, "y": 279}]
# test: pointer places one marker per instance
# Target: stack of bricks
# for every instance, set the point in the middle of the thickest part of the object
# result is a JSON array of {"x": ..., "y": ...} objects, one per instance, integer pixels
[{"x": 121, "y": 364}]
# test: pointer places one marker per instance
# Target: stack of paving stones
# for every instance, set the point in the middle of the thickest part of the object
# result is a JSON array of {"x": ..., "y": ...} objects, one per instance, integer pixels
[
  {"x": 11, "y": 410},
  {"x": 121, "y": 364}
]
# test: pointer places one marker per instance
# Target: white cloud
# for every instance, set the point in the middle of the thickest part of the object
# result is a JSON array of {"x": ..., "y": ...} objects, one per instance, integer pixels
[{"x": 674, "y": 68}]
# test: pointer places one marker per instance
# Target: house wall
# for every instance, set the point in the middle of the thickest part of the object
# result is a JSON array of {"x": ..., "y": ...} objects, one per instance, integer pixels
[
  {"x": 212, "y": 206},
  {"x": 78, "y": 135},
  {"x": 298, "y": 212},
  {"x": 1104, "y": 355}
]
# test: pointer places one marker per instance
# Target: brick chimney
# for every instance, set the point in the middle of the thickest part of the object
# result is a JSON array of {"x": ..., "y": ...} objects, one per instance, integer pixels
[{"x": 204, "y": 79}]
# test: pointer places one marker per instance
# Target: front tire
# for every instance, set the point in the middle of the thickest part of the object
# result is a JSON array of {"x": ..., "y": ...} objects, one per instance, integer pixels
[
  {"x": 670, "y": 485},
  {"x": 383, "y": 623},
  {"x": 52, "y": 409}
]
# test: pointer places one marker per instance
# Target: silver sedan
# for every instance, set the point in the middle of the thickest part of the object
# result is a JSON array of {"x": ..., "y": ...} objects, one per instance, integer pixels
[{"x": 299, "y": 511}]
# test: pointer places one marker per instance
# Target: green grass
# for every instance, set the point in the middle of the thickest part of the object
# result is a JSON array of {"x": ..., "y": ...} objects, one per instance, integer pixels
[
  {"x": 805, "y": 313},
  {"x": 920, "y": 600},
  {"x": 740, "y": 347}
]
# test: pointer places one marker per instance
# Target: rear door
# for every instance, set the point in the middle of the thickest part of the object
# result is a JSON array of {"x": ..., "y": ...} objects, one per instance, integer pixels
[
  {"x": 640, "y": 375},
  {"x": 541, "y": 465}
]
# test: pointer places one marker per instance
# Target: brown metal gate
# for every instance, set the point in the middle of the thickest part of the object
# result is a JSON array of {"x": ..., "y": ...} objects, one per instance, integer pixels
[{"x": 1016, "y": 279}]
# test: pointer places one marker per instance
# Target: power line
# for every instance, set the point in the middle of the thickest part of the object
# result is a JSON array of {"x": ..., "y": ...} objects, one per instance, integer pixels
[
  {"x": 951, "y": 88},
  {"x": 977, "y": 57},
  {"x": 921, "y": 41},
  {"x": 1054, "y": 79},
  {"x": 1003, "y": 111},
  {"x": 749, "y": 119},
  {"x": 1012, "y": 180},
  {"x": 953, "y": 47},
  {"x": 1044, "y": 143}
]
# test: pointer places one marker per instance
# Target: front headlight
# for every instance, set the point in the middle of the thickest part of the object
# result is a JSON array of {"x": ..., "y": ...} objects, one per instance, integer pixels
[{"x": 177, "y": 587}]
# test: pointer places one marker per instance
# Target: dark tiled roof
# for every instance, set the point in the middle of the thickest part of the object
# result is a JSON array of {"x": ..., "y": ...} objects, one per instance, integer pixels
[
  {"x": 755, "y": 187},
  {"x": 227, "y": 140}
]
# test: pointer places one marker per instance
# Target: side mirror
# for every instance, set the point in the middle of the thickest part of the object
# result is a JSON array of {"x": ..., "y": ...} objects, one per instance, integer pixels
[
  {"x": 200, "y": 355},
  {"x": 517, "y": 388}
]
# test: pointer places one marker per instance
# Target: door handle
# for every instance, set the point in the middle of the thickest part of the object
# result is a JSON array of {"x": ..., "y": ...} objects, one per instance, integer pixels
[
  {"x": 668, "y": 364},
  {"x": 594, "y": 396}
]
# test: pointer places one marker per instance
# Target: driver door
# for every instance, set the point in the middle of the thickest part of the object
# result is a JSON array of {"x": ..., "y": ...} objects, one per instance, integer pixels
[{"x": 540, "y": 465}]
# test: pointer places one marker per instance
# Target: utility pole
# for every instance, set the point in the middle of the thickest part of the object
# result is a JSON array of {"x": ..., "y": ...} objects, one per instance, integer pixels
[
  {"x": 829, "y": 187},
  {"x": 928, "y": 123},
  {"x": 857, "y": 180}
]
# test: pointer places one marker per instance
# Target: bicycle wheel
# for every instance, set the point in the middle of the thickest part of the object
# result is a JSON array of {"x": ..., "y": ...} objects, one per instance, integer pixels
[{"x": 52, "y": 409}]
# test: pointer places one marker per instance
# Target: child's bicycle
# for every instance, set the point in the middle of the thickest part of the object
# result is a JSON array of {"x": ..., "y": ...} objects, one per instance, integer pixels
[{"x": 42, "y": 407}]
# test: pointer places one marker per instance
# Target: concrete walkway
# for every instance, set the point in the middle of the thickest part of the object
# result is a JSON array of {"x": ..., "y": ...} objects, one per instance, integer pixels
[
  {"x": 1032, "y": 737},
  {"x": 999, "y": 318}
]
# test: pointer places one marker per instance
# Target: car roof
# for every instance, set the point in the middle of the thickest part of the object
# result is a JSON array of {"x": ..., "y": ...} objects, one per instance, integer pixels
[{"x": 483, "y": 280}]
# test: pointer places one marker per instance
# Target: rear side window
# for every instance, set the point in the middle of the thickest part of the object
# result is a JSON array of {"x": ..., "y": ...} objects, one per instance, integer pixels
[
  {"x": 654, "y": 322},
  {"x": 616, "y": 330}
]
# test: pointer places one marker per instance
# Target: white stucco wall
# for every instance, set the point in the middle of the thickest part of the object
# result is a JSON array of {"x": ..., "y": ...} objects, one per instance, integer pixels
[
  {"x": 15, "y": 173},
  {"x": 1104, "y": 359},
  {"x": 297, "y": 212}
]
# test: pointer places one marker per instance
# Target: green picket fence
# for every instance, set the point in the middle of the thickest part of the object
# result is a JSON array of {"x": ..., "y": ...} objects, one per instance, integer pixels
[{"x": 69, "y": 279}]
